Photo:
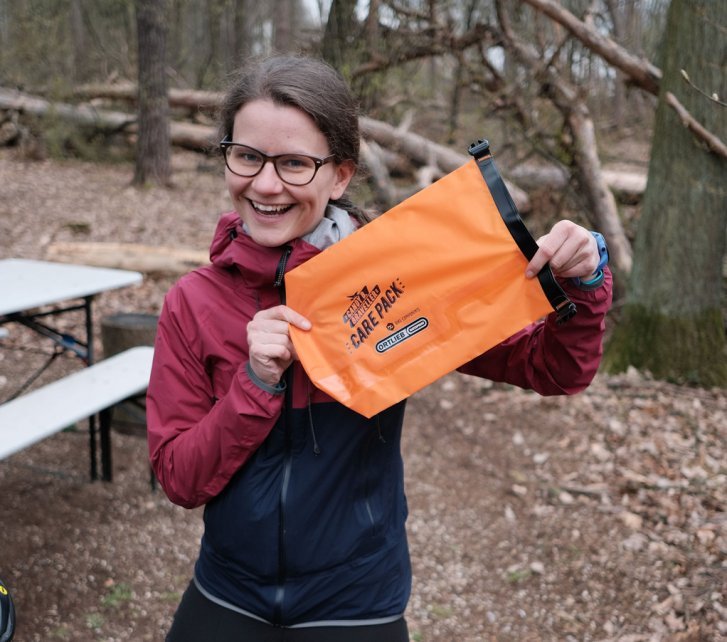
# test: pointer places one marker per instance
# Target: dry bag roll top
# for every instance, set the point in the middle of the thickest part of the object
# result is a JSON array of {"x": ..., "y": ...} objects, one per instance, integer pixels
[{"x": 421, "y": 290}]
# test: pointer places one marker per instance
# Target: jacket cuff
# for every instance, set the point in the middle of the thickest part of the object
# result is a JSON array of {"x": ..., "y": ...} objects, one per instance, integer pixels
[{"x": 277, "y": 389}]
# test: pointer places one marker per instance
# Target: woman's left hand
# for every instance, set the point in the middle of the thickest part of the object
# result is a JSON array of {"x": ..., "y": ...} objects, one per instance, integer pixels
[{"x": 570, "y": 249}]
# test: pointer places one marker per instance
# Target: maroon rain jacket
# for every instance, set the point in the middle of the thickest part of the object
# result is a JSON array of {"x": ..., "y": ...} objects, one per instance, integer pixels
[{"x": 304, "y": 498}]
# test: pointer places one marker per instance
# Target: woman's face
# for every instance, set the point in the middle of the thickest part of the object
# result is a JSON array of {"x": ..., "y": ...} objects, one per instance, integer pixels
[{"x": 274, "y": 211}]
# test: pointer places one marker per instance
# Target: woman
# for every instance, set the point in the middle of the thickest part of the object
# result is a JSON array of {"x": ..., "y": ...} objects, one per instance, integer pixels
[{"x": 304, "y": 501}]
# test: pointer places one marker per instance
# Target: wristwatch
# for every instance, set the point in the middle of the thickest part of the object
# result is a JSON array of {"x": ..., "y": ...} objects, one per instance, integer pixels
[{"x": 598, "y": 276}]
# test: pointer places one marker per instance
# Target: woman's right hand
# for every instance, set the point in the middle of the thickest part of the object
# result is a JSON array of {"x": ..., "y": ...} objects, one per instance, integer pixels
[{"x": 268, "y": 338}]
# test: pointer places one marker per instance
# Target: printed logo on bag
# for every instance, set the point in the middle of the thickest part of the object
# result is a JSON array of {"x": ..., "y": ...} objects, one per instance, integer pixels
[
  {"x": 361, "y": 301},
  {"x": 368, "y": 308},
  {"x": 402, "y": 335}
]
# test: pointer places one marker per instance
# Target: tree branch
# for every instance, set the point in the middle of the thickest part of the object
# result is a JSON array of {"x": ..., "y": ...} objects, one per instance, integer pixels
[
  {"x": 436, "y": 42},
  {"x": 713, "y": 142},
  {"x": 713, "y": 97},
  {"x": 641, "y": 71}
]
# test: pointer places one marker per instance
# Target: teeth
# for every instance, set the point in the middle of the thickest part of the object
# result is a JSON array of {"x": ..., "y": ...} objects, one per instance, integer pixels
[{"x": 270, "y": 209}]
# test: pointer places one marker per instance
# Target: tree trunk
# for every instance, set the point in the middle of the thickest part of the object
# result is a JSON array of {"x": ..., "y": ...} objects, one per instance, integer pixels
[
  {"x": 617, "y": 13},
  {"x": 153, "y": 149},
  {"x": 672, "y": 323},
  {"x": 337, "y": 47},
  {"x": 284, "y": 18},
  {"x": 80, "y": 50}
]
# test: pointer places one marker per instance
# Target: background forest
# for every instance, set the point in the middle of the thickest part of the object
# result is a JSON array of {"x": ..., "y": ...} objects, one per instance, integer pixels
[
  {"x": 595, "y": 518},
  {"x": 557, "y": 88}
]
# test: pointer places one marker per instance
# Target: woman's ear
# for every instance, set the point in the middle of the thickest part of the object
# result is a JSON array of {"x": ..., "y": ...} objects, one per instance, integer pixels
[{"x": 344, "y": 174}]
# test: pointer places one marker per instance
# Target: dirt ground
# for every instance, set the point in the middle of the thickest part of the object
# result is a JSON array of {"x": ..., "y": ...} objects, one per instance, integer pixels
[{"x": 599, "y": 517}]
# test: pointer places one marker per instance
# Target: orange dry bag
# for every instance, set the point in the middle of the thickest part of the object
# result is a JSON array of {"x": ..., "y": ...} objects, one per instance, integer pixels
[{"x": 424, "y": 288}]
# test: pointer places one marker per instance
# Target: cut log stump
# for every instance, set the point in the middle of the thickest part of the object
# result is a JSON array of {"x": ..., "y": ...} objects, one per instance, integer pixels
[{"x": 118, "y": 333}]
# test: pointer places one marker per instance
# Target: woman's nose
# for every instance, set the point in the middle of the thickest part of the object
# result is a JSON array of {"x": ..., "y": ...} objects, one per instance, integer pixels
[{"x": 268, "y": 180}]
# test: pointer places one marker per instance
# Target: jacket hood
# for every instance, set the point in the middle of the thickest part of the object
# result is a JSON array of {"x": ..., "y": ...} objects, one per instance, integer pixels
[{"x": 232, "y": 247}]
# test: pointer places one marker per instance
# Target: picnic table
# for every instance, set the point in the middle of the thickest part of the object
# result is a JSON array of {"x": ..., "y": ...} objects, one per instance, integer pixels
[{"x": 33, "y": 293}]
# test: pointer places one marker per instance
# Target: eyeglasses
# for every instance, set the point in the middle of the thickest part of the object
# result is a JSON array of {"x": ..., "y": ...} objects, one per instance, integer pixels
[{"x": 294, "y": 169}]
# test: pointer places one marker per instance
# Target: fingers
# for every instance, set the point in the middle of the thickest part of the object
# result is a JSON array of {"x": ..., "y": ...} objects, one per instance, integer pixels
[
  {"x": 282, "y": 313},
  {"x": 570, "y": 249},
  {"x": 268, "y": 335}
]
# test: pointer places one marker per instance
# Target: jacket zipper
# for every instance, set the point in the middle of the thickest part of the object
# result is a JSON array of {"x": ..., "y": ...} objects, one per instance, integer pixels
[
  {"x": 280, "y": 272},
  {"x": 279, "y": 283}
]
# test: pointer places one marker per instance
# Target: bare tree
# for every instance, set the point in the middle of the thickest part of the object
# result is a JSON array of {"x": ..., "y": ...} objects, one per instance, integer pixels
[
  {"x": 565, "y": 96},
  {"x": 340, "y": 34},
  {"x": 153, "y": 149},
  {"x": 284, "y": 19}
]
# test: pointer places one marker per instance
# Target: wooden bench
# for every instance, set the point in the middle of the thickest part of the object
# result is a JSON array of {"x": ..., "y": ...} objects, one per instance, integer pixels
[{"x": 80, "y": 395}]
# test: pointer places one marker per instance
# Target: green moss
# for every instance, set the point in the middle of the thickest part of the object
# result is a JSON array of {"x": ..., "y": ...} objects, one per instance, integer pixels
[{"x": 685, "y": 350}]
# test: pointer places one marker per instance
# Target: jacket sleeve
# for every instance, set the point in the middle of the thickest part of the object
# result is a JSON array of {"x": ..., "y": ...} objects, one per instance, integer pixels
[
  {"x": 548, "y": 358},
  {"x": 197, "y": 442}
]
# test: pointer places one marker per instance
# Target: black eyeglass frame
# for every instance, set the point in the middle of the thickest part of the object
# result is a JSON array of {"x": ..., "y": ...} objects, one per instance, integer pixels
[{"x": 317, "y": 162}]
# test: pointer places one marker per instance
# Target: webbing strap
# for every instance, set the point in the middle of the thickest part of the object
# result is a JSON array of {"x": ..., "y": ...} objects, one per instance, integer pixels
[{"x": 520, "y": 234}]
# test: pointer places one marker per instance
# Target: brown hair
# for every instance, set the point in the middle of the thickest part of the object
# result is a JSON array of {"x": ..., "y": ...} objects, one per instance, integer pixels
[{"x": 309, "y": 84}]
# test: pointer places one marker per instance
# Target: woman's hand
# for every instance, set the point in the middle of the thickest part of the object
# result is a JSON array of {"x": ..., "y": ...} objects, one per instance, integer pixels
[
  {"x": 268, "y": 337},
  {"x": 571, "y": 250}
]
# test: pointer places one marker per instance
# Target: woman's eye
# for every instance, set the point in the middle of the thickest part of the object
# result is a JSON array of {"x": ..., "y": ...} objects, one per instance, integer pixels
[
  {"x": 247, "y": 157},
  {"x": 295, "y": 162}
]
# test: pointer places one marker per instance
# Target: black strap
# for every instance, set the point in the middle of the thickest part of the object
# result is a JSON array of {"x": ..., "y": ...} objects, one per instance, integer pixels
[{"x": 520, "y": 234}]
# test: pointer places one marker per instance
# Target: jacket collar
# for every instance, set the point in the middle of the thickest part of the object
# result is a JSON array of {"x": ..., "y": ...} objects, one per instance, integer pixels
[{"x": 232, "y": 247}]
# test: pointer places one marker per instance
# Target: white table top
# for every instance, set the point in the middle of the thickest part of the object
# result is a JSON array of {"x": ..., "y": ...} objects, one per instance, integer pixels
[{"x": 26, "y": 284}]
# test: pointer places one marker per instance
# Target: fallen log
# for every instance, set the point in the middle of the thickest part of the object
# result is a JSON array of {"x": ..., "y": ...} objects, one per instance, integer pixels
[
  {"x": 418, "y": 148},
  {"x": 188, "y": 135},
  {"x": 79, "y": 114},
  {"x": 427, "y": 153},
  {"x": 204, "y": 138},
  {"x": 129, "y": 256},
  {"x": 128, "y": 92},
  {"x": 627, "y": 185}
]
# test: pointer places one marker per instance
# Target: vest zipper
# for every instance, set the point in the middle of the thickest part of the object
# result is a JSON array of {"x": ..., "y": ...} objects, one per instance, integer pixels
[{"x": 279, "y": 283}]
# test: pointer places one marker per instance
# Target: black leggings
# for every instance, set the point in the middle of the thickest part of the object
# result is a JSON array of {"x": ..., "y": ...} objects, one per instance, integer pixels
[{"x": 200, "y": 620}]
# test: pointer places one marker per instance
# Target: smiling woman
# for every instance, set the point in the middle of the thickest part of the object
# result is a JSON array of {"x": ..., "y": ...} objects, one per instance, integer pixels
[{"x": 305, "y": 510}]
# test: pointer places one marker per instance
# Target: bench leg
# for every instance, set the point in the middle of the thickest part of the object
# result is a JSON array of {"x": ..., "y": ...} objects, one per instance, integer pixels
[
  {"x": 105, "y": 415},
  {"x": 92, "y": 446}
]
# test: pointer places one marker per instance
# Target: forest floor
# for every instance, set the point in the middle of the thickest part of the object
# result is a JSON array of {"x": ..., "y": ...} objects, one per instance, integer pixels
[{"x": 595, "y": 517}]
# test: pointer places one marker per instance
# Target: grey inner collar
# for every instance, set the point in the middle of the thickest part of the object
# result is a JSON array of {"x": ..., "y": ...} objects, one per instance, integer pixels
[{"x": 334, "y": 226}]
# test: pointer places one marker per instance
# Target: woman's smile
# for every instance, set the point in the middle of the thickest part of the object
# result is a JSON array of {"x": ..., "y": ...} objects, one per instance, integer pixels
[{"x": 270, "y": 209}]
